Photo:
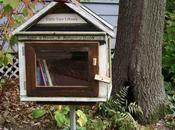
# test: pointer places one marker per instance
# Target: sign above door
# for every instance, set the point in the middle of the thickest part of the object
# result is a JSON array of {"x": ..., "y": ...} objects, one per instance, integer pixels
[{"x": 62, "y": 18}]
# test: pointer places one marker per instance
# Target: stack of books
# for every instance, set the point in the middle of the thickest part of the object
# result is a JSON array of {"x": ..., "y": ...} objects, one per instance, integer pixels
[{"x": 43, "y": 74}]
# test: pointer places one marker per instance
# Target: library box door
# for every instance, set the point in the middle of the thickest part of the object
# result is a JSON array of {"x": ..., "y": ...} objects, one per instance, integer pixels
[{"x": 61, "y": 69}]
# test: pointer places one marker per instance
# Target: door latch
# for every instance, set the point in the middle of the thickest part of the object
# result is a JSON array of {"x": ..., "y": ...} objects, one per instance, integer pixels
[
  {"x": 94, "y": 62},
  {"x": 102, "y": 78}
]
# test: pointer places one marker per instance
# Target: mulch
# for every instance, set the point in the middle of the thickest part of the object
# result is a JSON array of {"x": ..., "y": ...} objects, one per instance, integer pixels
[{"x": 16, "y": 115}]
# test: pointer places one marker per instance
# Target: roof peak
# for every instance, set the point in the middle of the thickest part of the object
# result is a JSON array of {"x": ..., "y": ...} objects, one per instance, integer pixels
[{"x": 79, "y": 9}]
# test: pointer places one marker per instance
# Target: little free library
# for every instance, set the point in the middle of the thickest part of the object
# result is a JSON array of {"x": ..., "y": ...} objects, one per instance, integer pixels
[{"x": 64, "y": 55}]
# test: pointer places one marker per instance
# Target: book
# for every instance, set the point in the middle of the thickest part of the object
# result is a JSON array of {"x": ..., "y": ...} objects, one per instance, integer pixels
[
  {"x": 43, "y": 75},
  {"x": 46, "y": 70},
  {"x": 39, "y": 79}
]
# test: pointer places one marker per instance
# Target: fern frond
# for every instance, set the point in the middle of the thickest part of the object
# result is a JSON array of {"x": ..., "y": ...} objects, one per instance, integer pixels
[
  {"x": 121, "y": 97},
  {"x": 133, "y": 108}
]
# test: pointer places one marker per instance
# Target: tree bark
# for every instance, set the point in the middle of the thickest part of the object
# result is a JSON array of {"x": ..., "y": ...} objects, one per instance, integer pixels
[{"x": 138, "y": 53}]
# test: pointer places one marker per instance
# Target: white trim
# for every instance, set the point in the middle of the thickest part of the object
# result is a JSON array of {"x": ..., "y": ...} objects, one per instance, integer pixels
[
  {"x": 78, "y": 8},
  {"x": 63, "y": 99},
  {"x": 97, "y": 17},
  {"x": 100, "y": 1},
  {"x": 97, "y": 21},
  {"x": 35, "y": 17},
  {"x": 92, "y": 13},
  {"x": 22, "y": 68},
  {"x": 59, "y": 33}
]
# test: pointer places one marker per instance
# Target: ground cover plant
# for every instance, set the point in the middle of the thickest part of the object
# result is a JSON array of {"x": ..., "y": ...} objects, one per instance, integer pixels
[
  {"x": 116, "y": 114},
  {"x": 168, "y": 62}
]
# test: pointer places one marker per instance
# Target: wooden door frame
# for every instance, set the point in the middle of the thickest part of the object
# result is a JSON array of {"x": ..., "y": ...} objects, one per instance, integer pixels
[{"x": 32, "y": 90}]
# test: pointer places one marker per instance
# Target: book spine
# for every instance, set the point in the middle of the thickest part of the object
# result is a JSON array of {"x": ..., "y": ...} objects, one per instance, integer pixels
[
  {"x": 47, "y": 73},
  {"x": 42, "y": 72},
  {"x": 38, "y": 75}
]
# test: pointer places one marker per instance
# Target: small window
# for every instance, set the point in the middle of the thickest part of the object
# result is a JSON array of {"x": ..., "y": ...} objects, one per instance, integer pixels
[{"x": 61, "y": 69}]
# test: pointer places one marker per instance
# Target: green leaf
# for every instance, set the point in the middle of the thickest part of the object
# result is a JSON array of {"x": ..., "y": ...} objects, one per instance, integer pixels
[
  {"x": 60, "y": 118},
  {"x": 25, "y": 12},
  {"x": 81, "y": 128},
  {"x": 98, "y": 124},
  {"x": 37, "y": 113},
  {"x": 13, "y": 3},
  {"x": 65, "y": 110},
  {"x": 19, "y": 19},
  {"x": 9, "y": 58},
  {"x": 7, "y": 9},
  {"x": 82, "y": 120},
  {"x": 13, "y": 40},
  {"x": 5, "y": 58}
]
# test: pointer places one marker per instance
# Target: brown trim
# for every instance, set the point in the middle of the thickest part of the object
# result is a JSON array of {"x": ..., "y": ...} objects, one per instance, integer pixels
[
  {"x": 91, "y": 104},
  {"x": 33, "y": 90},
  {"x": 30, "y": 68}
]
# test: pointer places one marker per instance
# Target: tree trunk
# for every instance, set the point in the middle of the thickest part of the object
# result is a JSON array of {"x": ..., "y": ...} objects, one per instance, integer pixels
[{"x": 138, "y": 52}]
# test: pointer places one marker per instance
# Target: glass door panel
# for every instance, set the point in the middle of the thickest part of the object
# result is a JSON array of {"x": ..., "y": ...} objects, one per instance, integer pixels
[{"x": 62, "y": 67}]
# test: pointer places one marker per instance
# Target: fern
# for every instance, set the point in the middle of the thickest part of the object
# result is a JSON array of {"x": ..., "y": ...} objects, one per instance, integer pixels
[
  {"x": 121, "y": 97},
  {"x": 120, "y": 111},
  {"x": 125, "y": 121},
  {"x": 120, "y": 103},
  {"x": 133, "y": 108}
]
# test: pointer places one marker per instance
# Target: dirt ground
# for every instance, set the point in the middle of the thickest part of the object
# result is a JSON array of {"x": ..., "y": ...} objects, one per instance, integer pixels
[{"x": 16, "y": 115}]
